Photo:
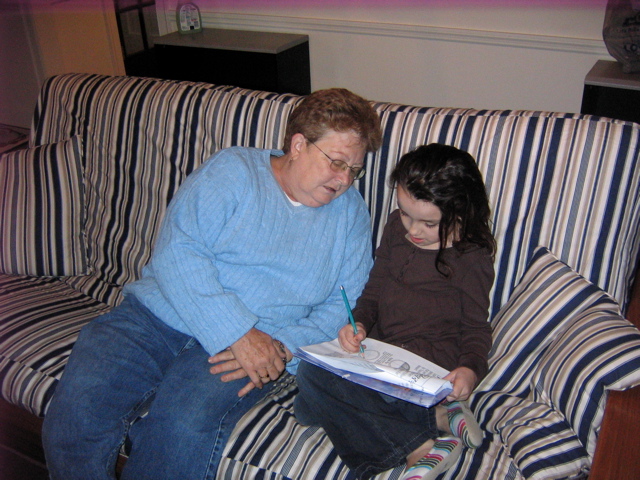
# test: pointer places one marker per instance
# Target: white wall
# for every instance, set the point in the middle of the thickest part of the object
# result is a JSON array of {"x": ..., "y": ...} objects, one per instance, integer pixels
[
  {"x": 19, "y": 72},
  {"x": 40, "y": 38},
  {"x": 480, "y": 54}
]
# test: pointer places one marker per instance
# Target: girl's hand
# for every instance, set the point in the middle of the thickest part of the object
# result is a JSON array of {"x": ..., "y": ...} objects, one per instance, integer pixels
[
  {"x": 349, "y": 341},
  {"x": 464, "y": 381}
]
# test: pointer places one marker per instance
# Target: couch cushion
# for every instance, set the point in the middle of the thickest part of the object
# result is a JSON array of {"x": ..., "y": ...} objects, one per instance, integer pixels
[
  {"x": 142, "y": 138},
  {"x": 268, "y": 442},
  {"x": 538, "y": 438},
  {"x": 559, "y": 345},
  {"x": 41, "y": 319},
  {"x": 545, "y": 302},
  {"x": 598, "y": 352},
  {"x": 42, "y": 210}
]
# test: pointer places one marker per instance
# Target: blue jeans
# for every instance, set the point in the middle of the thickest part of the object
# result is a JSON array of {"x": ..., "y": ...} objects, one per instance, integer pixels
[
  {"x": 122, "y": 361},
  {"x": 371, "y": 432}
]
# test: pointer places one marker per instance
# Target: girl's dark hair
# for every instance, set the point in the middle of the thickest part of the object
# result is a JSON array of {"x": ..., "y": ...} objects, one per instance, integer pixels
[{"x": 449, "y": 178}]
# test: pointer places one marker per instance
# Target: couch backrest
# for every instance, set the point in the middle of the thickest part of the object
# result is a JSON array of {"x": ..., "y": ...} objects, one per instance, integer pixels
[
  {"x": 568, "y": 182},
  {"x": 142, "y": 137}
]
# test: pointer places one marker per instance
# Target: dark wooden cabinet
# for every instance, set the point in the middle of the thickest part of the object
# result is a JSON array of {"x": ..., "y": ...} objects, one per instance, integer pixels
[
  {"x": 609, "y": 92},
  {"x": 276, "y": 62}
]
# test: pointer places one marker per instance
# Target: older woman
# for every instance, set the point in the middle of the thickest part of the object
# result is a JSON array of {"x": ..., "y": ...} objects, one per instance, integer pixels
[{"x": 246, "y": 268}]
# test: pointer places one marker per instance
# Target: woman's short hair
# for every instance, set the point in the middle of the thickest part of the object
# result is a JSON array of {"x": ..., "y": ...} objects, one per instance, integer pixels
[{"x": 336, "y": 109}]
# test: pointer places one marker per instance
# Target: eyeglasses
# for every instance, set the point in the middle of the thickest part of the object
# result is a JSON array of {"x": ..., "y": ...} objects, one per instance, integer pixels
[{"x": 338, "y": 166}]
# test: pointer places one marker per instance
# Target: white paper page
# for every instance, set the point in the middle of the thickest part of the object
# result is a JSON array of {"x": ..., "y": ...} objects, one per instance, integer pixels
[{"x": 382, "y": 361}]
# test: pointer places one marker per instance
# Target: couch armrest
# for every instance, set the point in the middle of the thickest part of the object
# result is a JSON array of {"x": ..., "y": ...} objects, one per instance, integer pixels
[
  {"x": 619, "y": 443},
  {"x": 633, "y": 313}
]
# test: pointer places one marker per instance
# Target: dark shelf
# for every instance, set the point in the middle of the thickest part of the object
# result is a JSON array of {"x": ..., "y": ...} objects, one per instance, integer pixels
[
  {"x": 609, "y": 92},
  {"x": 277, "y": 62}
]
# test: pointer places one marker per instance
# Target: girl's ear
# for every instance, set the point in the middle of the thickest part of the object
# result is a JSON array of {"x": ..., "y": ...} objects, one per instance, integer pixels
[{"x": 455, "y": 232}]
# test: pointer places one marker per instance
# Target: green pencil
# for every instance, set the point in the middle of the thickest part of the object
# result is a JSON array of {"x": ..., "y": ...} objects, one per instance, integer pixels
[{"x": 353, "y": 322}]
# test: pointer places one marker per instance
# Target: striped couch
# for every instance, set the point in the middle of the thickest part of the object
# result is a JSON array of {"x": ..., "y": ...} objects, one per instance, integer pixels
[{"x": 80, "y": 208}]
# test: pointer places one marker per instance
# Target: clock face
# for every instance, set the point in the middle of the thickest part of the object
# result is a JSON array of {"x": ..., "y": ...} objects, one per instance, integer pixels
[{"x": 189, "y": 19}]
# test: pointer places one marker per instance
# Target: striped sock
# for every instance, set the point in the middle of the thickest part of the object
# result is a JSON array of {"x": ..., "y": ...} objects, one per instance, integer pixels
[
  {"x": 463, "y": 424},
  {"x": 443, "y": 454}
]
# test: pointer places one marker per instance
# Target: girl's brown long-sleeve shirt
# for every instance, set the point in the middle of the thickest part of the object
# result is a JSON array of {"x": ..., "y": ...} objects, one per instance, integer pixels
[{"x": 408, "y": 303}]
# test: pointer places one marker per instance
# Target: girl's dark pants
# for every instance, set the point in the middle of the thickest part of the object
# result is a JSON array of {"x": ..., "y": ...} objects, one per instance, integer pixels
[{"x": 371, "y": 432}]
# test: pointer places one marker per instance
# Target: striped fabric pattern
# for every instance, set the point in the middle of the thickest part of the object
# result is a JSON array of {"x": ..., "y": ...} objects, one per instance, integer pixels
[
  {"x": 179, "y": 124},
  {"x": 538, "y": 440},
  {"x": 544, "y": 304},
  {"x": 142, "y": 138},
  {"x": 611, "y": 362},
  {"x": 559, "y": 345},
  {"x": 40, "y": 321},
  {"x": 268, "y": 443},
  {"x": 42, "y": 210},
  {"x": 566, "y": 182},
  {"x": 283, "y": 448}
]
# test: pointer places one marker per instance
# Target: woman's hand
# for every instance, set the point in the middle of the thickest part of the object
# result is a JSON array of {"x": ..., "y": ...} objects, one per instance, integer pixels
[
  {"x": 464, "y": 381},
  {"x": 349, "y": 341},
  {"x": 255, "y": 355}
]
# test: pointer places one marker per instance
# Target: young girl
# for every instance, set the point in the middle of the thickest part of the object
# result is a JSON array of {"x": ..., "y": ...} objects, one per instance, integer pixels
[{"x": 428, "y": 292}]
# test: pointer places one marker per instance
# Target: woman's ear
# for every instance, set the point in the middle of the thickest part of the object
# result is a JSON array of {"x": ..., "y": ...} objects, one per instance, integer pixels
[{"x": 298, "y": 142}]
